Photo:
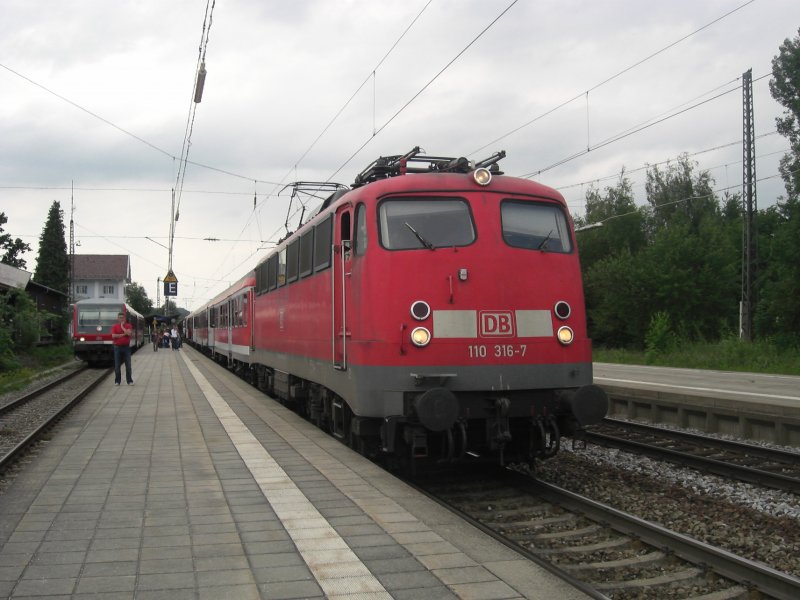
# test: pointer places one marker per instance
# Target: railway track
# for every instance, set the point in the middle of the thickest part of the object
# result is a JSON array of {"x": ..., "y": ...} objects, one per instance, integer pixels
[
  {"x": 611, "y": 553},
  {"x": 769, "y": 467},
  {"x": 24, "y": 419}
]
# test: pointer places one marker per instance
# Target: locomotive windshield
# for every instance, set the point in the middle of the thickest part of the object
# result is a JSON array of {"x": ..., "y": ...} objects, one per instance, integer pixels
[
  {"x": 535, "y": 226},
  {"x": 410, "y": 224}
]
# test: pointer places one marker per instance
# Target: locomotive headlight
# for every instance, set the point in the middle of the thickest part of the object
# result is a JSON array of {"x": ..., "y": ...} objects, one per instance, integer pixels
[
  {"x": 83, "y": 339},
  {"x": 482, "y": 176},
  {"x": 420, "y": 310},
  {"x": 420, "y": 337},
  {"x": 565, "y": 335},
  {"x": 562, "y": 309}
]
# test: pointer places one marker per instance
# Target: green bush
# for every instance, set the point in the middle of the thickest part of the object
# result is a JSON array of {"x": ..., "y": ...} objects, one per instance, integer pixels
[{"x": 659, "y": 338}]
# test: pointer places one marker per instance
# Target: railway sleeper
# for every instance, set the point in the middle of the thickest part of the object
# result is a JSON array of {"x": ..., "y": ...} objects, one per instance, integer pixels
[
  {"x": 614, "y": 543},
  {"x": 631, "y": 561},
  {"x": 665, "y": 579}
]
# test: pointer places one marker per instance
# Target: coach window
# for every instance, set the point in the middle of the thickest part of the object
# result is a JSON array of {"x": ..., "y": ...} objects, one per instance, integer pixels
[
  {"x": 322, "y": 245},
  {"x": 535, "y": 226},
  {"x": 291, "y": 261},
  {"x": 425, "y": 223},
  {"x": 282, "y": 267},
  {"x": 361, "y": 230},
  {"x": 241, "y": 302},
  {"x": 306, "y": 253}
]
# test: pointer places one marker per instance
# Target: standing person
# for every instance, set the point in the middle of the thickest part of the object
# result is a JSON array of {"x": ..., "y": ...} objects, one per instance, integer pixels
[
  {"x": 174, "y": 338},
  {"x": 154, "y": 335},
  {"x": 121, "y": 335}
]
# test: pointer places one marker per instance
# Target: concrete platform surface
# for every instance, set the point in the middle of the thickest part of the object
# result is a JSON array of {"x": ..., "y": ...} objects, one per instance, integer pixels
[{"x": 193, "y": 484}]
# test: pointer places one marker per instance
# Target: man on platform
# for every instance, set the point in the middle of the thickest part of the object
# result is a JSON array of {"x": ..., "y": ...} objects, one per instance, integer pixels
[{"x": 121, "y": 336}]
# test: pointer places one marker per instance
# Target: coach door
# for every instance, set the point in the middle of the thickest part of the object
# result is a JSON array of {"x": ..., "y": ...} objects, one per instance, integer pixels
[
  {"x": 340, "y": 285},
  {"x": 212, "y": 324},
  {"x": 231, "y": 308}
]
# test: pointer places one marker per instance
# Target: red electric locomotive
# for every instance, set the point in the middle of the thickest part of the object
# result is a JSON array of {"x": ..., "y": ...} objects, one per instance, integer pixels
[
  {"x": 434, "y": 310},
  {"x": 92, "y": 320}
]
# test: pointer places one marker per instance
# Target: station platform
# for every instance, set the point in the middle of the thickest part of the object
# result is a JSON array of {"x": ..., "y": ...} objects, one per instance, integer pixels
[
  {"x": 753, "y": 406},
  {"x": 193, "y": 484}
]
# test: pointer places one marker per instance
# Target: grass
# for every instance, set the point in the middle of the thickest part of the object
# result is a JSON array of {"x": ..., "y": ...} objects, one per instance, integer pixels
[
  {"x": 33, "y": 365},
  {"x": 726, "y": 355}
]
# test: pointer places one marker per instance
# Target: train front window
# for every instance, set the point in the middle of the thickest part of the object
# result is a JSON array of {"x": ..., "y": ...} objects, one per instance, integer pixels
[
  {"x": 94, "y": 316},
  {"x": 535, "y": 226},
  {"x": 420, "y": 223}
]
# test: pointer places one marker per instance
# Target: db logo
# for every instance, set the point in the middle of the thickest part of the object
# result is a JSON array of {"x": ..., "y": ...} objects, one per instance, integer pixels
[{"x": 496, "y": 324}]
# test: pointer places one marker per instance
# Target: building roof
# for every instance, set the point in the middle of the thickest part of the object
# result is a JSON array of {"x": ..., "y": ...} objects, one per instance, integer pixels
[
  {"x": 11, "y": 277},
  {"x": 102, "y": 266}
]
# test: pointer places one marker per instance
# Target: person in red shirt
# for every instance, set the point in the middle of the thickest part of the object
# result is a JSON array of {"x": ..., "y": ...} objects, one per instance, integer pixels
[{"x": 121, "y": 336}]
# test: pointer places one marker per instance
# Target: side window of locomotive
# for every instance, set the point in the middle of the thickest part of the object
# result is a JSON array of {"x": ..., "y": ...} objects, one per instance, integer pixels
[
  {"x": 282, "y": 267},
  {"x": 535, "y": 226},
  {"x": 272, "y": 272},
  {"x": 291, "y": 261},
  {"x": 306, "y": 253},
  {"x": 361, "y": 230},
  {"x": 425, "y": 223},
  {"x": 322, "y": 245},
  {"x": 262, "y": 277}
]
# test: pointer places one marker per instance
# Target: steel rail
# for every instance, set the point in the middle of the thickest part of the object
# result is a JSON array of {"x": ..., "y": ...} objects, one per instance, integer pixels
[
  {"x": 767, "y": 580},
  {"x": 6, "y": 460},
  {"x": 717, "y": 466}
]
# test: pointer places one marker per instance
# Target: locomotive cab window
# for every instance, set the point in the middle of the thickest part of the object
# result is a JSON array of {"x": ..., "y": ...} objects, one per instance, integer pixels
[
  {"x": 361, "y": 230},
  {"x": 535, "y": 226},
  {"x": 425, "y": 223}
]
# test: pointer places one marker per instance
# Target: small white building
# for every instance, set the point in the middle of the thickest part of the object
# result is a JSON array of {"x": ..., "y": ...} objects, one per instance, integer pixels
[{"x": 100, "y": 276}]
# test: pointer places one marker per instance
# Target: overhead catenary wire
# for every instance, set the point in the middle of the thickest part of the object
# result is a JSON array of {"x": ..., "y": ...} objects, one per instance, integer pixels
[
  {"x": 635, "y": 129},
  {"x": 298, "y": 161},
  {"x": 423, "y": 88},
  {"x": 197, "y": 93},
  {"x": 610, "y": 78}
]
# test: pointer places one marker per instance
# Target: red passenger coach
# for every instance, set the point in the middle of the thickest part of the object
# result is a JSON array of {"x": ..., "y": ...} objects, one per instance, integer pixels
[
  {"x": 434, "y": 310},
  {"x": 92, "y": 320},
  {"x": 223, "y": 328}
]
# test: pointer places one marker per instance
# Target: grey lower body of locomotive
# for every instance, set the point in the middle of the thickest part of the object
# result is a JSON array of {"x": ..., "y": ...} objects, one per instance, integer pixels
[{"x": 437, "y": 398}]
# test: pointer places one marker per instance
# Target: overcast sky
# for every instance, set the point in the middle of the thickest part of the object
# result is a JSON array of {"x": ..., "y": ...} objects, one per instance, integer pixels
[{"x": 97, "y": 95}]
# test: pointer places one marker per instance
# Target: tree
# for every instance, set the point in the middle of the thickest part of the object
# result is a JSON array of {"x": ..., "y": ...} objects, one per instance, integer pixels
[
  {"x": 621, "y": 220},
  {"x": 778, "y": 312},
  {"x": 52, "y": 264},
  {"x": 12, "y": 248},
  {"x": 676, "y": 195},
  {"x": 785, "y": 88},
  {"x": 136, "y": 296},
  {"x": 19, "y": 327}
]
